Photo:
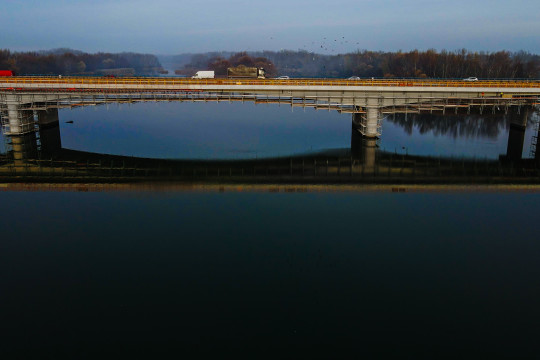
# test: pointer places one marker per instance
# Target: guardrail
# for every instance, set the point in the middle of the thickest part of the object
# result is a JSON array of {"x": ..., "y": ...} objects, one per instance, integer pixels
[{"x": 286, "y": 82}]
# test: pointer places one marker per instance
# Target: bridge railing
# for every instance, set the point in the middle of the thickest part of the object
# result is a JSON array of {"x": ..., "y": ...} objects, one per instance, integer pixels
[{"x": 285, "y": 82}]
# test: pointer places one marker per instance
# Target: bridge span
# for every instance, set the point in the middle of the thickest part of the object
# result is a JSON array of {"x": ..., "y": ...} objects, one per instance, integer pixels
[{"x": 366, "y": 99}]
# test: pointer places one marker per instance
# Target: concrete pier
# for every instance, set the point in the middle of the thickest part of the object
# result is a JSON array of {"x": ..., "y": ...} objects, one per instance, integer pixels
[
  {"x": 373, "y": 118},
  {"x": 19, "y": 121},
  {"x": 537, "y": 152},
  {"x": 368, "y": 123},
  {"x": 516, "y": 135},
  {"x": 357, "y": 141},
  {"x": 22, "y": 135},
  {"x": 49, "y": 131}
]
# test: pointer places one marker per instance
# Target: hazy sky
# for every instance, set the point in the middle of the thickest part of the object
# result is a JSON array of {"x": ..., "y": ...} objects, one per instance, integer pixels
[{"x": 172, "y": 27}]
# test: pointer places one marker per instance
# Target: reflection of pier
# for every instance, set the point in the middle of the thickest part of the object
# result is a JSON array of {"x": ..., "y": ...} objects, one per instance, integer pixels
[{"x": 39, "y": 157}]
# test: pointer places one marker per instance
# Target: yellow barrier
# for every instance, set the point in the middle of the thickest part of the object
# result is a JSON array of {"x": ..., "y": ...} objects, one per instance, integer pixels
[{"x": 290, "y": 82}]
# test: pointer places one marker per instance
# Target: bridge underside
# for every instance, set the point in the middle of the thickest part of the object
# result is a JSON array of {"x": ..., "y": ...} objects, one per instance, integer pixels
[
  {"x": 338, "y": 98},
  {"x": 366, "y": 107}
]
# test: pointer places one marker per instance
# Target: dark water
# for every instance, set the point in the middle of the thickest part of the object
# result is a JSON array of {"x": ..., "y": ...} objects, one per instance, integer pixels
[{"x": 265, "y": 275}]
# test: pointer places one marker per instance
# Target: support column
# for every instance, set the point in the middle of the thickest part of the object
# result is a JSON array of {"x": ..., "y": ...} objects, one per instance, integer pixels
[
  {"x": 49, "y": 131},
  {"x": 369, "y": 123},
  {"x": 356, "y": 138},
  {"x": 537, "y": 151},
  {"x": 516, "y": 135},
  {"x": 373, "y": 118}
]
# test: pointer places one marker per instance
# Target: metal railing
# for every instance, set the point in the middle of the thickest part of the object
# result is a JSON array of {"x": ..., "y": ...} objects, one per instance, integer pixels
[{"x": 4, "y": 81}]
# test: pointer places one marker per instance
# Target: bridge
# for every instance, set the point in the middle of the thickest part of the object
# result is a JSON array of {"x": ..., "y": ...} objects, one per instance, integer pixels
[{"x": 367, "y": 100}]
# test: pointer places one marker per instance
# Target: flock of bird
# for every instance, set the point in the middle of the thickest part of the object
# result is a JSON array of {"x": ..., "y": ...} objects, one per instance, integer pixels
[{"x": 327, "y": 44}]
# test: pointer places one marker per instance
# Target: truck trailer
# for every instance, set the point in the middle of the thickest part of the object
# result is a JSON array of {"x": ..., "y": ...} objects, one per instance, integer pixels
[
  {"x": 206, "y": 74},
  {"x": 6, "y": 73},
  {"x": 244, "y": 72}
]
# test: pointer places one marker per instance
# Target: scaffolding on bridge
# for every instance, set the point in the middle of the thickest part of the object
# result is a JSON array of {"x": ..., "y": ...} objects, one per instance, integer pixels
[{"x": 23, "y": 119}]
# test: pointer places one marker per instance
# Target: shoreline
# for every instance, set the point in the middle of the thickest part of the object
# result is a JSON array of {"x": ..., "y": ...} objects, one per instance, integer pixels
[{"x": 270, "y": 188}]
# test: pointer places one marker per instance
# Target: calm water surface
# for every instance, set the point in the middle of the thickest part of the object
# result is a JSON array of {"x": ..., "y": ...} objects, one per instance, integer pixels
[
  {"x": 223, "y": 130},
  {"x": 267, "y": 275}
]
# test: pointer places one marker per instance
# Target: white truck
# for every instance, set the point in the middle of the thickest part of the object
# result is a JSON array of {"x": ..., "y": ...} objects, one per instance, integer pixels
[{"x": 204, "y": 75}]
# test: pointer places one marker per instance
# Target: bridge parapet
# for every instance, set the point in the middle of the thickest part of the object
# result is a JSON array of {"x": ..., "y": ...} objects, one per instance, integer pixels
[{"x": 150, "y": 81}]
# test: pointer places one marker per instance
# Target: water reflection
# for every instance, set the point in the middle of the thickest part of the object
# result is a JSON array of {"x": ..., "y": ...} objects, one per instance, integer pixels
[
  {"x": 42, "y": 158},
  {"x": 236, "y": 131},
  {"x": 468, "y": 126}
]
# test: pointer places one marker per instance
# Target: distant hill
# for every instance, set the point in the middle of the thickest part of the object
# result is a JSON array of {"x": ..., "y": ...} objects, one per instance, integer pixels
[
  {"x": 60, "y": 51},
  {"x": 73, "y": 62}
]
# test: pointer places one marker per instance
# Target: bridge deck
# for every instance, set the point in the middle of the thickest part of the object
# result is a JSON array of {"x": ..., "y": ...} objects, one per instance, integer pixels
[{"x": 126, "y": 81}]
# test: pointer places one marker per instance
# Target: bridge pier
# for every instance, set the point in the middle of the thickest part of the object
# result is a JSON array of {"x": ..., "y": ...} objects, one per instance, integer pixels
[
  {"x": 49, "y": 131},
  {"x": 369, "y": 124},
  {"x": 373, "y": 118},
  {"x": 357, "y": 142},
  {"x": 516, "y": 135},
  {"x": 19, "y": 128},
  {"x": 537, "y": 151},
  {"x": 16, "y": 120}
]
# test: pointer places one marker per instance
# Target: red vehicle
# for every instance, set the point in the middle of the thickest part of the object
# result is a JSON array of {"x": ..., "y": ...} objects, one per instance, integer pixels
[{"x": 6, "y": 73}]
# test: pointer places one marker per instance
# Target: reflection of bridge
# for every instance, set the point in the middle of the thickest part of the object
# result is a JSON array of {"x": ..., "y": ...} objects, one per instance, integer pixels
[
  {"x": 367, "y": 100},
  {"x": 42, "y": 159}
]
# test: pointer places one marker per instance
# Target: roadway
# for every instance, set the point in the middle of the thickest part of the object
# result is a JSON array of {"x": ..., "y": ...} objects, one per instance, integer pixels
[{"x": 30, "y": 83}]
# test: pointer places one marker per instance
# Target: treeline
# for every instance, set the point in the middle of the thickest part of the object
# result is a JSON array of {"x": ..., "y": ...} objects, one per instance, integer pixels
[
  {"x": 485, "y": 125},
  {"x": 417, "y": 64},
  {"x": 219, "y": 63},
  {"x": 68, "y": 62}
]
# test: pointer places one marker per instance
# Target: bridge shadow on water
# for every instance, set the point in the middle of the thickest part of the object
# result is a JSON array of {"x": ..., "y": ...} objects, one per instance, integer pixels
[{"x": 38, "y": 157}]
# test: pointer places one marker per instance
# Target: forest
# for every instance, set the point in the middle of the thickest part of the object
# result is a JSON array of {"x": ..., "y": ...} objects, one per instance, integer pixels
[
  {"x": 73, "y": 62},
  {"x": 411, "y": 64}
]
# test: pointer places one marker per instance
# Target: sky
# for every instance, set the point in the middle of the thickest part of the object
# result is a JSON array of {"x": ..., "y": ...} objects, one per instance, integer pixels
[{"x": 328, "y": 27}]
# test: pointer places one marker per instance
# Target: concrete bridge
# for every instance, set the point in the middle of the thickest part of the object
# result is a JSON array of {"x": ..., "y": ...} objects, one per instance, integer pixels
[{"x": 367, "y": 100}]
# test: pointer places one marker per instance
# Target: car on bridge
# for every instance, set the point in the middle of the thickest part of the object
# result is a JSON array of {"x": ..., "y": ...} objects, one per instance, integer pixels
[
  {"x": 471, "y": 78},
  {"x": 284, "y": 77},
  {"x": 354, "y": 78}
]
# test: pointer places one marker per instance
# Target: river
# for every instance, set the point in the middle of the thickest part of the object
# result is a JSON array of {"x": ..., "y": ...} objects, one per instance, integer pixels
[{"x": 269, "y": 275}]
